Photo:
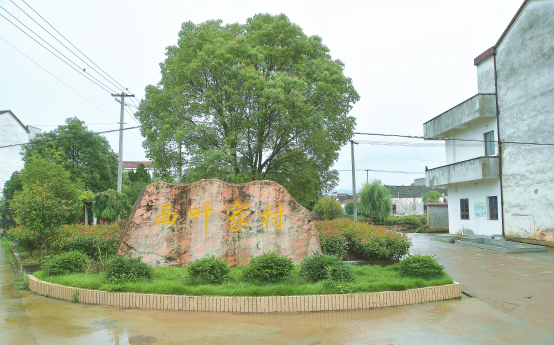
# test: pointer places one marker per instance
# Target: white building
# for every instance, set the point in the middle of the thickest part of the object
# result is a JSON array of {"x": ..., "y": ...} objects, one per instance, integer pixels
[
  {"x": 408, "y": 200},
  {"x": 133, "y": 165},
  {"x": 496, "y": 185},
  {"x": 13, "y": 132}
]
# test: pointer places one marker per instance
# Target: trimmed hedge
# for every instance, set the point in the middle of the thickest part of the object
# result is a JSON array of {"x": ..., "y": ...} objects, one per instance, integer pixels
[
  {"x": 209, "y": 270},
  {"x": 69, "y": 262},
  {"x": 267, "y": 268}
]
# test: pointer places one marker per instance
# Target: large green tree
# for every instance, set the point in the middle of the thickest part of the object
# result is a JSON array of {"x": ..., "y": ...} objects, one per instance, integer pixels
[
  {"x": 243, "y": 102},
  {"x": 87, "y": 156},
  {"x": 48, "y": 198},
  {"x": 10, "y": 188}
]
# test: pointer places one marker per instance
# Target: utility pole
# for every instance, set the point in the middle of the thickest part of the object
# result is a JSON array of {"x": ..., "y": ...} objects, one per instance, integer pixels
[
  {"x": 352, "y": 142},
  {"x": 367, "y": 176},
  {"x": 120, "y": 165}
]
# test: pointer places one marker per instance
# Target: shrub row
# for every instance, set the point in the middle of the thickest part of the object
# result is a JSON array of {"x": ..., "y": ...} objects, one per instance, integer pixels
[
  {"x": 372, "y": 242},
  {"x": 94, "y": 241}
]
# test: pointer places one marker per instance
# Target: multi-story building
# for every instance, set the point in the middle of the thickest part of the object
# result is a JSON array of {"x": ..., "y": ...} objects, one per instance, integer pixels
[
  {"x": 500, "y": 171},
  {"x": 14, "y": 133}
]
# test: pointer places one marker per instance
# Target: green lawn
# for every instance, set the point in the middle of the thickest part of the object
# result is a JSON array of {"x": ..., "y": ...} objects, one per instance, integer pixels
[{"x": 175, "y": 281}]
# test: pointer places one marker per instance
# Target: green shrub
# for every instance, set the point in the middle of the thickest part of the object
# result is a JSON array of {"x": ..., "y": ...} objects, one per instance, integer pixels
[
  {"x": 318, "y": 267},
  {"x": 25, "y": 239},
  {"x": 419, "y": 265},
  {"x": 93, "y": 240},
  {"x": 349, "y": 208},
  {"x": 373, "y": 242},
  {"x": 267, "y": 268},
  {"x": 122, "y": 268},
  {"x": 328, "y": 208},
  {"x": 209, "y": 270},
  {"x": 333, "y": 244},
  {"x": 68, "y": 262}
]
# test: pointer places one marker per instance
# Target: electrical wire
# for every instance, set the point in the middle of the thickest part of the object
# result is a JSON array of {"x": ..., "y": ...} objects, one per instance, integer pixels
[
  {"x": 48, "y": 32},
  {"x": 78, "y": 69},
  {"x": 58, "y": 79},
  {"x": 454, "y": 139},
  {"x": 388, "y": 171},
  {"x": 67, "y": 138},
  {"x": 74, "y": 46}
]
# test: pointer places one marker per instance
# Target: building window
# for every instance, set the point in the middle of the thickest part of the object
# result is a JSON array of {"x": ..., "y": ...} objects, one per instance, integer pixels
[
  {"x": 464, "y": 208},
  {"x": 493, "y": 208},
  {"x": 393, "y": 209},
  {"x": 489, "y": 143}
]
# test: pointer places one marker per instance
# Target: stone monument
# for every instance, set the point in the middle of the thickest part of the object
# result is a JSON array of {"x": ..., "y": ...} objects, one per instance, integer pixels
[{"x": 173, "y": 224}]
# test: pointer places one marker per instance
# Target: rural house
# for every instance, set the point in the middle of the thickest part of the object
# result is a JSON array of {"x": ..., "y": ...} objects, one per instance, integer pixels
[
  {"x": 13, "y": 132},
  {"x": 500, "y": 171}
]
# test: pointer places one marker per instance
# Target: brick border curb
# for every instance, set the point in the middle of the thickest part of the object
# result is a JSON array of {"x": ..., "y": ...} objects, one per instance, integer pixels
[{"x": 287, "y": 304}]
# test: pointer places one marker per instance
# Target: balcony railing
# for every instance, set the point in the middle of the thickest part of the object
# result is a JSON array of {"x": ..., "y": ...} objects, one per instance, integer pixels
[
  {"x": 480, "y": 168},
  {"x": 478, "y": 106}
]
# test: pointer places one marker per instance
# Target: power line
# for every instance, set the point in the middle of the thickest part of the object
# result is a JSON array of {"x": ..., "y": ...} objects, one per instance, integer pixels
[
  {"x": 74, "y": 46},
  {"x": 58, "y": 79},
  {"x": 410, "y": 159},
  {"x": 105, "y": 87},
  {"x": 54, "y": 53},
  {"x": 67, "y": 138},
  {"x": 48, "y": 32},
  {"x": 455, "y": 139},
  {"x": 387, "y": 171}
]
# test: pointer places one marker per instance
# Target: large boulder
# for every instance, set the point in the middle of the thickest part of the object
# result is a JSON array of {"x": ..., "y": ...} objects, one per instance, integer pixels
[{"x": 173, "y": 224}]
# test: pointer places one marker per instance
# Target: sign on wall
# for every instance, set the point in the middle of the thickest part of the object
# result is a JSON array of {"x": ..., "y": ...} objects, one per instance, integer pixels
[{"x": 480, "y": 209}]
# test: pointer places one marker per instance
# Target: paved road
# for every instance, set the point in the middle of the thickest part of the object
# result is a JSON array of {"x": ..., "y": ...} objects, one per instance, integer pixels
[{"x": 28, "y": 318}]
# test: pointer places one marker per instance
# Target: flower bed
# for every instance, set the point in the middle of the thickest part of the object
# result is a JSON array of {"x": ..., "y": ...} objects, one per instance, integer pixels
[{"x": 372, "y": 242}]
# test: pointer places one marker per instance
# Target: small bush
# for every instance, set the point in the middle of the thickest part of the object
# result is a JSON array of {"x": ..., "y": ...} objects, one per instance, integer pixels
[
  {"x": 69, "y": 262},
  {"x": 123, "y": 268},
  {"x": 318, "y": 267},
  {"x": 315, "y": 217},
  {"x": 267, "y": 268},
  {"x": 209, "y": 270},
  {"x": 349, "y": 208},
  {"x": 419, "y": 265},
  {"x": 328, "y": 208},
  {"x": 333, "y": 244}
]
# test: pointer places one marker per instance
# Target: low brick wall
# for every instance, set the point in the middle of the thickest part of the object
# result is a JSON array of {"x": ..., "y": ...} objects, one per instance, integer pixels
[{"x": 287, "y": 304}]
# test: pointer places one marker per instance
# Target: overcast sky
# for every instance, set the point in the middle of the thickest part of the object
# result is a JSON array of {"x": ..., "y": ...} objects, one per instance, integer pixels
[{"x": 409, "y": 61}]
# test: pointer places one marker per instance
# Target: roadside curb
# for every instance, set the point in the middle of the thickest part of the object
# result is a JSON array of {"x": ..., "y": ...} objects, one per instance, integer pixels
[{"x": 272, "y": 304}]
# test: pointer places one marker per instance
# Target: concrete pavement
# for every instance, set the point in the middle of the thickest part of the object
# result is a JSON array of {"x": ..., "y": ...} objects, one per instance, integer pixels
[
  {"x": 36, "y": 319},
  {"x": 519, "y": 284}
]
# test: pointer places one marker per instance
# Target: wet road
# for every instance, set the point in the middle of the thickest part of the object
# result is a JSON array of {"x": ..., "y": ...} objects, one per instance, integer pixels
[{"x": 32, "y": 319}]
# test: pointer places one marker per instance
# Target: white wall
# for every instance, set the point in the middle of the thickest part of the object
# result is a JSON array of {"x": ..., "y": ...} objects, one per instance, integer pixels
[
  {"x": 457, "y": 151},
  {"x": 475, "y": 192},
  {"x": 485, "y": 76},
  {"x": 525, "y": 70},
  {"x": 10, "y": 159},
  {"x": 408, "y": 206}
]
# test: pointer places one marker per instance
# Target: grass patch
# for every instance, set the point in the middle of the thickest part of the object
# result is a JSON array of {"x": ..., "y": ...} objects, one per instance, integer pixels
[
  {"x": 6, "y": 248},
  {"x": 176, "y": 281}
]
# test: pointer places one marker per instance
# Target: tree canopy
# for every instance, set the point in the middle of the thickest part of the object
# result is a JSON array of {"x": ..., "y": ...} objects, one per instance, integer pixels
[
  {"x": 10, "y": 188},
  {"x": 48, "y": 198},
  {"x": 375, "y": 201},
  {"x": 243, "y": 102},
  {"x": 87, "y": 156},
  {"x": 432, "y": 196}
]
